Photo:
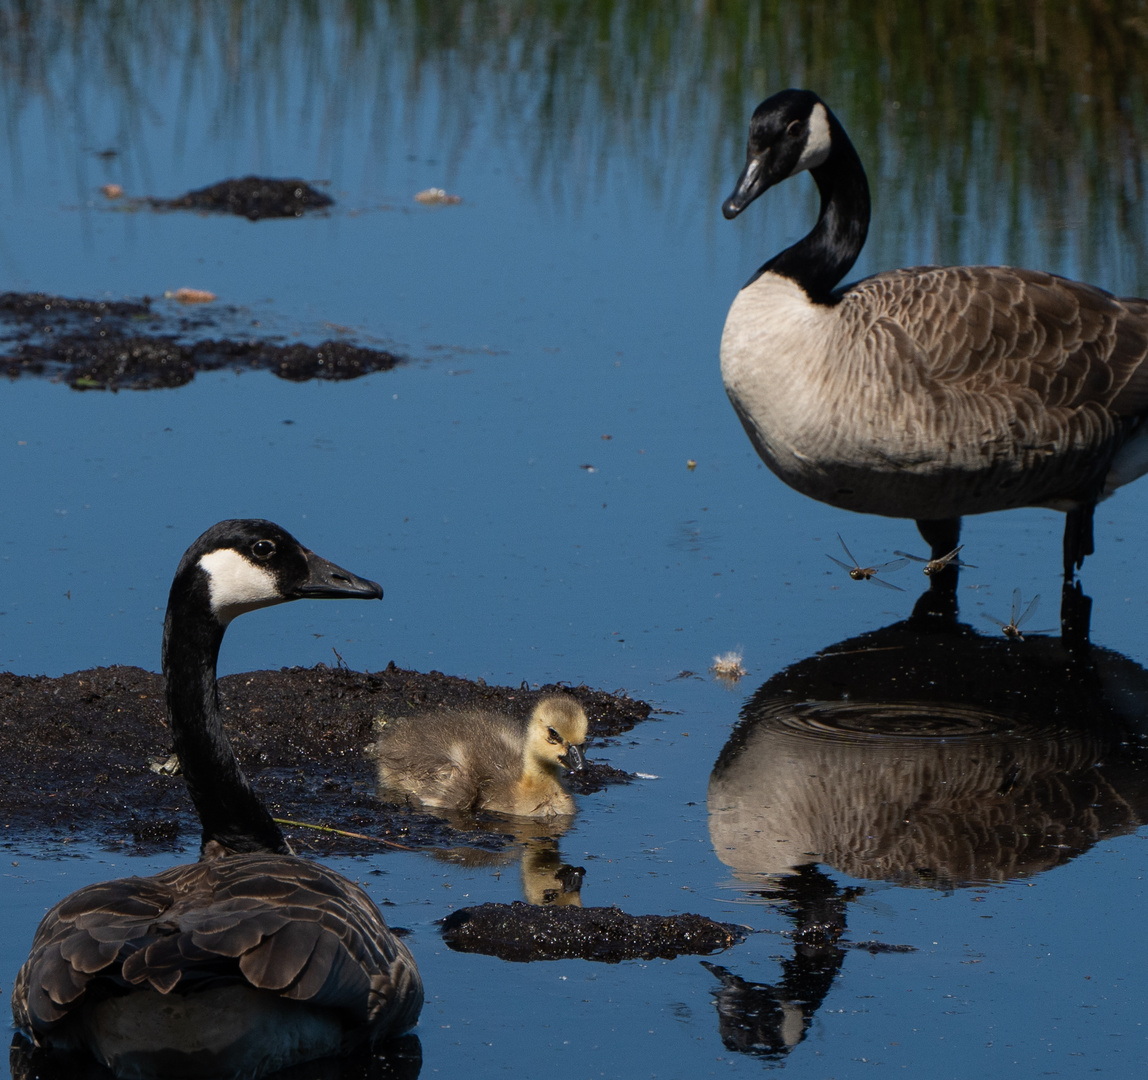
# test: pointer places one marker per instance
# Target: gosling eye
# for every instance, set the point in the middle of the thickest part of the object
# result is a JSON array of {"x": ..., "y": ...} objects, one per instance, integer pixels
[
  {"x": 794, "y": 128},
  {"x": 263, "y": 549},
  {"x": 553, "y": 736}
]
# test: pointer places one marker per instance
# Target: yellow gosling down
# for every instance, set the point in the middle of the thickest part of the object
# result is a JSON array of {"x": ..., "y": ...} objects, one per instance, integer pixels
[{"x": 477, "y": 759}]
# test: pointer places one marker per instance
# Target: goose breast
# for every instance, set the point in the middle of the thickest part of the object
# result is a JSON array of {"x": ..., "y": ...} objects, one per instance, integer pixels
[{"x": 935, "y": 392}]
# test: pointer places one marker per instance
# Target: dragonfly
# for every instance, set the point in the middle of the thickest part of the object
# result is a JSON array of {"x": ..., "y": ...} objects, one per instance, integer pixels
[
  {"x": 1011, "y": 628},
  {"x": 869, "y": 573},
  {"x": 935, "y": 566}
]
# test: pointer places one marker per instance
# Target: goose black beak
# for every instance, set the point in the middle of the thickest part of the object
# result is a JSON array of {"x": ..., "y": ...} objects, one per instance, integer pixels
[
  {"x": 326, "y": 581},
  {"x": 574, "y": 759},
  {"x": 753, "y": 181}
]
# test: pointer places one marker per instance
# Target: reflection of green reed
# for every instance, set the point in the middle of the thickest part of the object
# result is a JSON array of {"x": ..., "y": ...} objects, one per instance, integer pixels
[{"x": 1019, "y": 122}]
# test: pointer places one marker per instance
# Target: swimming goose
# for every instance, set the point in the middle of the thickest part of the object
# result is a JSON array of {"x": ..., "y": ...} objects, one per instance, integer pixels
[
  {"x": 930, "y": 392},
  {"x": 250, "y": 959},
  {"x": 476, "y": 759}
]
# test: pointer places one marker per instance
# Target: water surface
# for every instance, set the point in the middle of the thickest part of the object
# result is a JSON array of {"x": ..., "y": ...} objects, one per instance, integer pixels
[{"x": 521, "y": 488}]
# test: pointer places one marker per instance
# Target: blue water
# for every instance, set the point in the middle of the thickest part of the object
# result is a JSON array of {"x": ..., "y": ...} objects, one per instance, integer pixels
[{"x": 554, "y": 307}]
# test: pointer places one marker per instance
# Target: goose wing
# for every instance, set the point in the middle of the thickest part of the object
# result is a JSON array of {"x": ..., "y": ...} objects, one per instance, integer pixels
[
  {"x": 1020, "y": 365},
  {"x": 276, "y": 922}
]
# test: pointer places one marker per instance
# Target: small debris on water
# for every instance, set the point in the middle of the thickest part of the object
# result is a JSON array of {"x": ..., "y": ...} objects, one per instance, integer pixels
[
  {"x": 190, "y": 296},
  {"x": 112, "y": 191},
  {"x": 168, "y": 766},
  {"x": 436, "y": 196},
  {"x": 691, "y": 464},
  {"x": 588, "y": 468},
  {"x": 728, "y": 667}
]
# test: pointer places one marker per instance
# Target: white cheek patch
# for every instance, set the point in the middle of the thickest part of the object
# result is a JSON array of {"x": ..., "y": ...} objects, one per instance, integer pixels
[
  {"x": 236, "y": 585},
  {"x": 819, "y": 143}
]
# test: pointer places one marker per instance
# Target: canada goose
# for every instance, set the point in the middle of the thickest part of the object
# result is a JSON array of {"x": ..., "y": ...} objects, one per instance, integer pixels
[
  {"x": 251, "y": 959},
  {"x": 476, "y": 759},
  {"x": 930, "y": 392}
]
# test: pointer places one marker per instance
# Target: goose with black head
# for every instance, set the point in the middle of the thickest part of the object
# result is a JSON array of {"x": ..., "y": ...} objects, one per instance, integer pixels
[
  {"x": 930, "y": 392},
  {"x": 250, "y": 959}
]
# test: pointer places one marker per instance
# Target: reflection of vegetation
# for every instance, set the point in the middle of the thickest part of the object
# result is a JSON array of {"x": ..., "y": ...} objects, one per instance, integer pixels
[{"x": 1006, "y": 115}]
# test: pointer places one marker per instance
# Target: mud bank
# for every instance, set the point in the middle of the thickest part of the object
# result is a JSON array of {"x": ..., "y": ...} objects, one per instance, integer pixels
[
  {"x": 134, "y": 345},
  {"x": 252, "y": 197},
  {"x": 523, "y": 932},
  {"x": 77, "y": 754}
]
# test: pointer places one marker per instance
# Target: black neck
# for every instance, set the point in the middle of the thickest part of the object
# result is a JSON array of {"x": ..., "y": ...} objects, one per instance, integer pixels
[
  {"x": 229, "y": 809},
  {"x": 820, "y": 260}
]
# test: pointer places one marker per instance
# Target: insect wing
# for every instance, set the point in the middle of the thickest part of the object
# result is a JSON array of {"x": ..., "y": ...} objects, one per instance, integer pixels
[
  {"x": 893, "y": 564},
  {"x": 843, "y": 565},
  {"x": 856, "y": 564},
  {"x": 1028, "y": 611}
]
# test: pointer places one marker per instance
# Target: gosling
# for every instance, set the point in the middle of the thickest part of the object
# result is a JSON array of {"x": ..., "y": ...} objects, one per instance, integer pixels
[{"x": 475, "y": 759}]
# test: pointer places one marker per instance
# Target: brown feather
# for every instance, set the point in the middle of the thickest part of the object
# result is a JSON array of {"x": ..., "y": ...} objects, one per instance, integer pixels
[{"x": 221, "y": 919}]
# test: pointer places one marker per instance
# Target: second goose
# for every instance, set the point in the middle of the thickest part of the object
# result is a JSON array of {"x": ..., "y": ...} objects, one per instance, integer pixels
[{"x": 932, "y": 392}]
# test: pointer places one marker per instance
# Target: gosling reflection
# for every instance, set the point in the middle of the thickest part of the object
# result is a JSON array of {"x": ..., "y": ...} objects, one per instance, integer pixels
[
  {"x": 547, "y": 879},
  {"x": 925, "y": 753}
]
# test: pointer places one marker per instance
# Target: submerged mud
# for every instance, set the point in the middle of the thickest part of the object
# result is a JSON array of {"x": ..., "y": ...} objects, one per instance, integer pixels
[
  {"x": 523, "y": 932},
  {"x": 252, "y": 197},
  {"x": 133, "y": 345},
  {"x": 79, "y": 754}
]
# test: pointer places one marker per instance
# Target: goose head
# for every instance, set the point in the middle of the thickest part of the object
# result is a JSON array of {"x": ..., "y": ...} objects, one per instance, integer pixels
[
  {"x": 557, "y": 730},
  {"x": 788, "y": 133},
  {"x": 234, "y": 567},
  {"x": 243, "y": 564}
]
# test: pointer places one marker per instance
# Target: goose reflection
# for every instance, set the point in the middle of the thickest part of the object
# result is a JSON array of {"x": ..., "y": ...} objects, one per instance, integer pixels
[
  {"x": 927, "y": 753},
  {"x": 923, "y": 754}
]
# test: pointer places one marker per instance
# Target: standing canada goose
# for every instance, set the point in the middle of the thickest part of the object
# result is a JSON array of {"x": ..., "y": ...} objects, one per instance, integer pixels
[
  {"x": 931, "y": 392},
  {"x": 251, "y": 959},
  {"x": 476, "y": 759}
]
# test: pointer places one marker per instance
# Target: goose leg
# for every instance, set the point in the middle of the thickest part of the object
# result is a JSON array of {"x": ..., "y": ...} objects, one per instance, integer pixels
[
  {"x": 941, "y": 534},
  {"x": 1075, "y": 616},
  {"x": 1077, "y": 538}
]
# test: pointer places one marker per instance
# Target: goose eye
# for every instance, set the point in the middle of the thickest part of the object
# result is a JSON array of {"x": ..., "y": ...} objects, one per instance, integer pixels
[
  {"x": 553, "y": 736},
  {"x": 263, "y": 549},
  {"x": 794, "y": 127}
]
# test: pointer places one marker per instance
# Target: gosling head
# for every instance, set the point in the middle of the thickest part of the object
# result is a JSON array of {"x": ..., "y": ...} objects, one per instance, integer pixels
[{"x": 558, "y": 728}]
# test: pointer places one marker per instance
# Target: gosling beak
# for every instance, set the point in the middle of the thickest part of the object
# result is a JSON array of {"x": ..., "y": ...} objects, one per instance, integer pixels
[
  {"x": 326, "y": 581},
  {"x": 573, "y": 759}
]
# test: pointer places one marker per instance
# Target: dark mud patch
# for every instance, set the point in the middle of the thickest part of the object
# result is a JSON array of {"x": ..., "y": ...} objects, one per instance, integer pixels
[
  {"x": 132, "y": 345},
  {"x": 523, "y": 932},
  {"x": 76, "y": 753},
  {"x": 252, "y": 197}
]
